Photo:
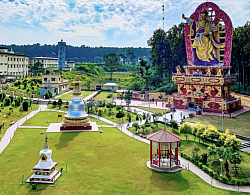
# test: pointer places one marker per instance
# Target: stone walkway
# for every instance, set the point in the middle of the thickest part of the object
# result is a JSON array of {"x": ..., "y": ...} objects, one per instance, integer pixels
[
  {"x": 60, "y": 95},
  {"x": 123, "y": 128},
  {"x": 90, "y": 96}
]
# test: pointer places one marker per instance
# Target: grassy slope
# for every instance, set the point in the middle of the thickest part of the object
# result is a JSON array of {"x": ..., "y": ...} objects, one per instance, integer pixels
[
  {"x": 238, "y": 125},
  {"x": 15, "y": 115},
  {"x": 107, "y": 163}
]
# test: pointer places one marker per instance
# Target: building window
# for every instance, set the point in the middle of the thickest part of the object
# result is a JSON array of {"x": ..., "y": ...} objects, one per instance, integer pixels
[
  {"x": 53, "y": 79},
  {"x": 45, "y": 79}
]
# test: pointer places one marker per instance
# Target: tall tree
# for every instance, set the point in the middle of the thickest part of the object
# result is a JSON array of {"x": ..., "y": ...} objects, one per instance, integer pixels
[{"x": 111, "y": 61}]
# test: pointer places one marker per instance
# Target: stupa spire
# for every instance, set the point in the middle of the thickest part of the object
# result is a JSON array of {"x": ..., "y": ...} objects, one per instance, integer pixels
[
  {"x": 77, "y": 90},
  {"x": 46, "y": 146}
]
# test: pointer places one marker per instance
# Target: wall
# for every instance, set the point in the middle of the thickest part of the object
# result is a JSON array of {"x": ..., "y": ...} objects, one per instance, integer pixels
[{"x": 245, "y": 100}]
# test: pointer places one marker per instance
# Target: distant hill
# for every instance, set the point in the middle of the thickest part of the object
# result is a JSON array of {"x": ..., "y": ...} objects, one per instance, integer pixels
[{"x": 79, "y": 54}]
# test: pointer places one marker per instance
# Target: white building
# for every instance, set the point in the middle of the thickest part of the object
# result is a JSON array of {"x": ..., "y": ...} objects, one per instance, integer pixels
[
  {"x": 69, "y": 66},
  {"x": 13, "y": 65},
  {"x": 47, "y": 62}
]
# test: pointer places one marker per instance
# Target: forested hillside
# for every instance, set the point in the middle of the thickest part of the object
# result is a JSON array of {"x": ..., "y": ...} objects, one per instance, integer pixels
[{"x": 80, "y": 54}]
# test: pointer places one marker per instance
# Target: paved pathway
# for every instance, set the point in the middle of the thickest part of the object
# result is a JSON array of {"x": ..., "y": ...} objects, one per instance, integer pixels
[
  {"x": 60, "y": 95},
  {"x": 123, "y": 127},
  {"x": 90, "y": 96}
]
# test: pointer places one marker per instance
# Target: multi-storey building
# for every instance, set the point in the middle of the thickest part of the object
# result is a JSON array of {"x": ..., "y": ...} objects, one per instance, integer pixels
[
  {"x": 47, "y": 62},
  {"x": 13, "y": 65},
  {"x": 61, "y": 54}
]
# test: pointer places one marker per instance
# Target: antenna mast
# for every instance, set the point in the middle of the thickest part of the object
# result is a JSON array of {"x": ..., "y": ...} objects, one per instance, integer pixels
[{"x": 163, "y": 14}]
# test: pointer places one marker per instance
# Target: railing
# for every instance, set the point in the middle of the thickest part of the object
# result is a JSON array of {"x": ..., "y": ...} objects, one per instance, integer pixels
[{"x": 204, "y": 75}]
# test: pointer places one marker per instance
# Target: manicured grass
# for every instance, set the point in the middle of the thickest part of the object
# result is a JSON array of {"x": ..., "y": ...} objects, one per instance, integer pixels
[
  {"x": 154, "y": 110},
  {"x": 238, "y": 125},
  {"x": 67, "y": 97},
  {"x": 103, "y": 96},
  {"x": 113, "y": 118},
  {"x": 15, "y": 116},
  {"x": 150, "y": 130},
  {"x": 107, "y": 163},
  {"x": 99, "y": 121},
  {"x": 44, "y": 116},
  {"x": 188, "y": 146}
]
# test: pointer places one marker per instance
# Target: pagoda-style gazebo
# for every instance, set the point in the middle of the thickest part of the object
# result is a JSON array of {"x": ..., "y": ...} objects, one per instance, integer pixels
[{"x": 162, "y": 157}]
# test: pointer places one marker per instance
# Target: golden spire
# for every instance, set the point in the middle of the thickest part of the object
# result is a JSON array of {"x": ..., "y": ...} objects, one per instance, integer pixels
[
  {"x": 77, "y": 90},
  {"x": 46, "y": 146}
]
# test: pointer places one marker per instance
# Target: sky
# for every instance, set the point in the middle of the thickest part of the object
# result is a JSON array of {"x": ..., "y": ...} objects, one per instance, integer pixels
[{"x": 107, "y": 23}]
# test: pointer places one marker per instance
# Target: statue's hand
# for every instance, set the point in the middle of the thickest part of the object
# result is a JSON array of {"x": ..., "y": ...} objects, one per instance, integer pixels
[{"x": 183, "y": 17}]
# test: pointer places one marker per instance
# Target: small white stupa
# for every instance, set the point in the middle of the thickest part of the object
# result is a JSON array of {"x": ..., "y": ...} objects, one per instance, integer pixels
[{"x": 44, "y": 171}]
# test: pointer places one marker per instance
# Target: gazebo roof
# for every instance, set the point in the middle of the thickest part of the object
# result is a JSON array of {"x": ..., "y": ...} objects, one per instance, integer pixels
[{"x": 164, "y": 136}]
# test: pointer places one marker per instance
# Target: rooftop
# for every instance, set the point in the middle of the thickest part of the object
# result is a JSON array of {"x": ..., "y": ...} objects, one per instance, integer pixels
[
  {"x": 164, "y": 136},
  {"x": 44, "y": 58},
  {"x": 12, "y": 54}
]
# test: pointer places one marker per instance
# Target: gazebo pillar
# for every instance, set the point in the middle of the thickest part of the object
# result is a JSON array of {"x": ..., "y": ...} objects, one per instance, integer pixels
[
  {"x": 170, "y": 150},
  {"x": 159, "y": 154},
  {"x": 176, "y": 153},
  {"x": 151, "y": 152}
]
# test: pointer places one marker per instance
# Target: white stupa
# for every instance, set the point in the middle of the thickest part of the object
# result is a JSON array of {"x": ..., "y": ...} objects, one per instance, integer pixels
[{"x": 44, "y": 171}]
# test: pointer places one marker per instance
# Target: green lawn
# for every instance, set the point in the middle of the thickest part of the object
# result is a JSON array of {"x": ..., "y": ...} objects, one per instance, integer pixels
[
  {"x": 67, "y": 97},
  {"x": 154, "y": 110},
  {"x": 113, "y": 116},
  {"x": 238, "y": 125},
  {"x": 99, "y": 121},
  {"x": 44, "y": 116},
  {"x": 15, "y": 115},
  {"x": 103, "y": 96},
  {"x": 107, "y": 163},
  {"x": 150, "y": 130}
]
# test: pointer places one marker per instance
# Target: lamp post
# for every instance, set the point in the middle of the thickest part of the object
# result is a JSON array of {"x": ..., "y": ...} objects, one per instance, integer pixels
[{"x": 221, "y": 160}]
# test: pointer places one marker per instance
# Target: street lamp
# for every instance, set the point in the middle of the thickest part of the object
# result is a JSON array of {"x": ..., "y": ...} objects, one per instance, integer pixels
[{"x": 221, "y": 160}]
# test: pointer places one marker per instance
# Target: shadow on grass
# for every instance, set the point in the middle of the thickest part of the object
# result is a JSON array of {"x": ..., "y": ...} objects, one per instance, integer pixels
[
  {"x": 40, "y": 188},
  {"x": 169, "y": 181},
  {"x": 65, "y": 138}
]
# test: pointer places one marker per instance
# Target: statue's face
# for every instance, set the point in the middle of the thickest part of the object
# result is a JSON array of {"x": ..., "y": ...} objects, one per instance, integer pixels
[{"x": 202, "y": 16}]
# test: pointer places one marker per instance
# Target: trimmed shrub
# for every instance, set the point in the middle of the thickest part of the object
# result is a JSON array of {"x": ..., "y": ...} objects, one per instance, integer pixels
[
  {"x": 25, "y": 106},
  {"x": 185, "y": 128},
  {"x": 191, "y": 115},
  {"x": 109, "y": 95},
  {"x": 199, "y": 164}
]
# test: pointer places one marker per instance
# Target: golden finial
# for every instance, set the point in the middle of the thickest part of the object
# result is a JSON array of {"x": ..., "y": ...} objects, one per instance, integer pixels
[{"x": 46, "y": 146}]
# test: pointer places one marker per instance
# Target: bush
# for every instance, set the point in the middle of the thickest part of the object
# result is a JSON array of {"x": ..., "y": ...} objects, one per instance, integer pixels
[
  {"x": 118, "y": 108},
  {"x": 109, "y": 95},
  {"x": 173, "y": 124},
  {"x": 185, "y": 128},
  {"x": 191, "y": 115},
  {"x": 224, "y": 179},
  {"x": 210, "y": 172},
  {"x": 25, "y": 106},
  {"x": 205, "y": 168},
  {"x": 199, "y": 164},
  {"x": 7, "y": 101},
  {"x": 137, "y": 117},
  {"x": 144, "y": 116},
  {"x": 109, "y": 105}
]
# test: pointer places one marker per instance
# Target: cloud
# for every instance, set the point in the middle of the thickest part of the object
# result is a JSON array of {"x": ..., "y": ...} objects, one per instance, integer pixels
[{"x": 106, "y": 22}]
